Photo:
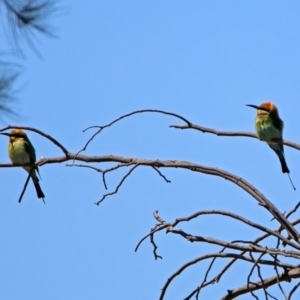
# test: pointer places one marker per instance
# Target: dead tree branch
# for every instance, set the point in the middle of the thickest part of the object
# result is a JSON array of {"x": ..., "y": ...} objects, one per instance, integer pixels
[
  {"x": 100, "y": 128},
  {"x": 229, "y": 133},
  {"x": 251, "y": 251},
  {"x": 291, "y": 274},
  {"x": 187, "y": 125},
  {"x": 253, "y": 247},
  {"x": 45, "y": 135},
  {"x": 240, "y": 182}
]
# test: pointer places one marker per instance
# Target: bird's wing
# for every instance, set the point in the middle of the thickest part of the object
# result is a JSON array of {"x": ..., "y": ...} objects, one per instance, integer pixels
[
  {"x": 278, "y": 123},
  {"x": 30, "y": 150}
]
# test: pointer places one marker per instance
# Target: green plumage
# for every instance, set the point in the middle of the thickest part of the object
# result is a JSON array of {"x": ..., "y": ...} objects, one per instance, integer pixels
[
  {"x": 269, "y": 128},
  {"x": 22, "y": 152}
]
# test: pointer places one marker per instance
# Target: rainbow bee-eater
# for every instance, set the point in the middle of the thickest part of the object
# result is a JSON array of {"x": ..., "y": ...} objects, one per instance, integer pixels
[
  {"x": 269, "y": 128},
  {"x": 21, "y": 152}
]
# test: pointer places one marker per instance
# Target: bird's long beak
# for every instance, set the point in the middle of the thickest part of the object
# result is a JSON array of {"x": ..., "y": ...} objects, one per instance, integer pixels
[
  {"x": 258, "y": 107},
  {"x": 5, "y": 133}
]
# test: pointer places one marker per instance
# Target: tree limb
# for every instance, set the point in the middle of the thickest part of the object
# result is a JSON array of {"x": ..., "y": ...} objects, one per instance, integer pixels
[{"x": 291, "y": 274}]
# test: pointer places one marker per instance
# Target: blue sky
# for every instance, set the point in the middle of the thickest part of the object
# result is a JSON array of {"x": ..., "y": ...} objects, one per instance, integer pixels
[{"x": 203, "y": 60}]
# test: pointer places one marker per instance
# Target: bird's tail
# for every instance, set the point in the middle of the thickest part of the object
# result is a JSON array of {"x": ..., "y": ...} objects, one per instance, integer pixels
[
  {"x": 284, "y": 166},
  {"x": 279, "y": 151},
  {"x": 38, "y": 189},
  {"x": 37, "y": 186},
  {"x": 278, "y": 148}
]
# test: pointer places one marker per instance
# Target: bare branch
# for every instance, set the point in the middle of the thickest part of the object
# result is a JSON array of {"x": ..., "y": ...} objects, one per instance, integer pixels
[
  {"x": 246, "y": 186},
  {"x": 100, "y": 128},
  {"x": 156, "y": 256},
  {"x": 221, "y": 255},
  {"x": 237, "y": 217},
  {"x": 228, "y": 133},
  {"x": 50, "y": 138},
  {"x": 85, "y": 166},
  {"x": 287, "y": 216},
  {"x": 250, "y": 274},
  {"x": 294, "y": 289},
  {"x": 197, "y": 291},
  {"x": 291, "y": 274},
  {"x": 218, "y": 277},
  {"x": 170, "y": 228},
  {"x": 204, "y": 283},
  {"x": 269, "y": 295},
  {"x": 157, "y": 228},
  {"x": 293, "y": 210},
  {"x": 250, "y": 248},
  {"x": 161, "y": 175},
  {"x": 253, "y": 247},
  {"x": 244, "y": 246},
  {"x": 278, "y": 282},
  {"x": 118, "y": 186},
  {"x": 104, "y": 172}
]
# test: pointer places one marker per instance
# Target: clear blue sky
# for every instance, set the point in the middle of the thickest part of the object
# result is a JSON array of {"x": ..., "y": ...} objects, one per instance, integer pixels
[{"x": 202, "y": 59}]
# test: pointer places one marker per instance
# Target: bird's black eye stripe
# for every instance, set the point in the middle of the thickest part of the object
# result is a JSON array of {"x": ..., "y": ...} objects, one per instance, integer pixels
[
  {"x": 17, "y": 135},
  {"x": 265, "y": 109}
]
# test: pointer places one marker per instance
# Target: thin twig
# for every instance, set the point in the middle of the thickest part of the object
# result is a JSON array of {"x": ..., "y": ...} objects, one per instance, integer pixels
[
  {"x": 256, "y": 265},
  {"x": 100, "y": 128},
  {"x": 267, "y": 282},
  {"x": 293, "y": 291},
  {"x": 211, "y": 255},
  {"x": 225, "y": 213},
  {"x": 118, "y": 186},
  {"x": 156, "y": 256},
  {"x": 161, "y": 175},
  {"x": 228, "y": 133},
  {"x": 47, "y": 136},
  {"x": 205, "y": 276},
  {"x": 278, "y": 282}
]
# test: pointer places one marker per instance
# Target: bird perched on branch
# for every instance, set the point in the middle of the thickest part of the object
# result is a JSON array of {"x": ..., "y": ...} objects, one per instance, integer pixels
[
  {"x": 21, "y": 152},
  {"x": 269, "y": 128}
]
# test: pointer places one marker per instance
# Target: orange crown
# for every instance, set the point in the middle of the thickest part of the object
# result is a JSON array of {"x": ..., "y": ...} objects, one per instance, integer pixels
[{"x": 269, "y": 106}]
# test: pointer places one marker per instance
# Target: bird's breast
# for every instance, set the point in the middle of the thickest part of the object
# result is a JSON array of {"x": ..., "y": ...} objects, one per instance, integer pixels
[
  {"x": 17, "y": 153},
  {"x": 266, "y": 130}
]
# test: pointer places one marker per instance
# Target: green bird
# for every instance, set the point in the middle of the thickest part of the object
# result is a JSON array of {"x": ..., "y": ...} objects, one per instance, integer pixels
[
  {"x": 269, "y": 128},
  {"x": 21, "y": 152}
]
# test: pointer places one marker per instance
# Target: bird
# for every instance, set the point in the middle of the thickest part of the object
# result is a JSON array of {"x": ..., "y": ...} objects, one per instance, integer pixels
[
  {"x": 269, "y": 128},
  {"x": 22, "y": 152}
]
